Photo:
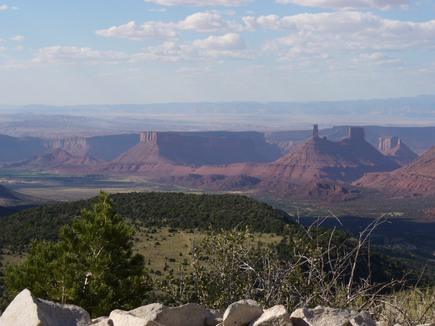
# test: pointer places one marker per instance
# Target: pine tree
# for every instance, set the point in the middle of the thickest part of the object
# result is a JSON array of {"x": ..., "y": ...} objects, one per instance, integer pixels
[{"x": 92, "y": 265}]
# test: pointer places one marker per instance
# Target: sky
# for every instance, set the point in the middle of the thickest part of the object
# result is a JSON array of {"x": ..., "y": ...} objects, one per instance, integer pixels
[{"x": 148, "y": 51}]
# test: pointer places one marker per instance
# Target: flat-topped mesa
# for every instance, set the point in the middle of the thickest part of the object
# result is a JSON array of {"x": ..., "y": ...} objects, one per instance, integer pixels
[
  {"x": 148, "y": 137},
  {"x": 356, "y": 133},
  {"x": 316, "y": 131},
  {"x": 77, "y": 146}
]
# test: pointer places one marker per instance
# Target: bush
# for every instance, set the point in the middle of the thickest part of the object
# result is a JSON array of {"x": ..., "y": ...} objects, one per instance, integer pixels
[{"x": 309, "y": 268}]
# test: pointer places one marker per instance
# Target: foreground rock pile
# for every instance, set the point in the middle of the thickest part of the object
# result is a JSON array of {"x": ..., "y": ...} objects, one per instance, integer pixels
[{"x": 25, "y": 310}]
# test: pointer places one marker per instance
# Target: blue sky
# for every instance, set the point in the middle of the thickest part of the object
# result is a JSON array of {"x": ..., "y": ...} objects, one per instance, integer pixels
[{"x": 136, "y": 51}]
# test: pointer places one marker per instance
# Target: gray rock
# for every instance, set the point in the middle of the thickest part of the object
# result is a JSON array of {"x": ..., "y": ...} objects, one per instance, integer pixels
[
  {"x": 157, "y": 314},
  {"x": 323, "y": 316},
  {"x": 275, "y": 316},
  {"x": 125, "y": 318},
  {"x": 190, "y": 314},
  {"x": 29, "y": 311},
  {"x": 242, "y": 313},
  {"x": 149, "y": 312}
]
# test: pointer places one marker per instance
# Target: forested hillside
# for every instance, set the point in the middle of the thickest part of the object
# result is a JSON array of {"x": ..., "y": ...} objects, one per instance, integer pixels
[{"x": 177, "y": 210}]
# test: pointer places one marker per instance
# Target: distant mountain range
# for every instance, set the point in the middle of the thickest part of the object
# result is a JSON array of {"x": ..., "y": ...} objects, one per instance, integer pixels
[{"x": 92, "y": 120}]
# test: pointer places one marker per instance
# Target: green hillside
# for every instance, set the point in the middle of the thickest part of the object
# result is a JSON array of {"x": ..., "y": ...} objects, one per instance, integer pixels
[{"x": 175, "y": 210}]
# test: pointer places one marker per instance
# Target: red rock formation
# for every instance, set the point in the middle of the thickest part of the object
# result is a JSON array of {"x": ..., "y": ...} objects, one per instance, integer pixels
[
  {"x": 76, "y": 146},
  {"x": 415, "y": 179},
  {"x": 148, "y": 137},
  {"x": 320, "y": 159},
  {"x": 395, "y": 148},
  {"x": 318, "y": 168},
  {"x": 58, "y": 159},
  {"x": 146, "y": 152}
]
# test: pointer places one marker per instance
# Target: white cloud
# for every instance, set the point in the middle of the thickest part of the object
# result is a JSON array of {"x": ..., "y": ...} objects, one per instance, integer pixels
[
  {"x": 200, "y": 3},
  {"x": 4, "y": 7},
  {"x": 72, "y": 54},
  {"x": 343, "y": 31},
  {"x": 349, "y": 4},
  {"x": 167, "y": 52},
  {"x": 230, "y": 45},
  {"x": 17, "y": 38},
  {"x": 134, "y": 31},
  {"x": 229, "y": 41},
  {"x": 202, "y": 22},
  {"x": 226, "y": 46}
]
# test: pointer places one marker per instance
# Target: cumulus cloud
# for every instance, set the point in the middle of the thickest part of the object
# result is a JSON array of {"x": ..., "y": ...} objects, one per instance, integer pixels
[
  {"x": 349, "y": 4},
  {"x": 134, "y": 31},
  {"x": 199, "y": 3},
  {"x": 229, "y": 41},
  {"x": 343, "y": 31},
  {"x": 230, "y": 45},
  {"x": 4, "y": 7},
  {"x": 226, "y": 46},
  {"x": 202, "y": 22}
]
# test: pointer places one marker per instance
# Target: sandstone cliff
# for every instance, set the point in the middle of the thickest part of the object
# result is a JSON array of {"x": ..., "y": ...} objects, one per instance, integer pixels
[
  {"x": 319, "y": 163},
  {"x": 415, "y": 179},
  {"x": 395, "y": 148}
]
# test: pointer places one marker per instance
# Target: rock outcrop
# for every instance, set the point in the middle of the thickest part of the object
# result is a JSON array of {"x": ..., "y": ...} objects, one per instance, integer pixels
[
  {"x": 415, "y": 179},
  {"x": 58, "y": 159},
  {"x": 275, "y": 316},
  {"x": 149, "y": 137},
  {"x": 157, "y": 314},
  {"x": 323, "y": 316},
  {"x": 320, "y": 161},
  {"x": 77, "y": 146},
  {"x": 25, "y": 310},
  {"x": 197, "y": 149},
  {"x": 241, "y": 313},
  {"x": 395, "y": 148}
]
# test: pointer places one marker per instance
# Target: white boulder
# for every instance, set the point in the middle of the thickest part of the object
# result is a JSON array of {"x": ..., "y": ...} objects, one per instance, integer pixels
[
  {"x": 242, "y": 313},
  {"x": 29, "y": 311},
  {"x": 125, "y": 318},
  {"x": 275, "y": 316},
  {"x": 156, "y": 314}
]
